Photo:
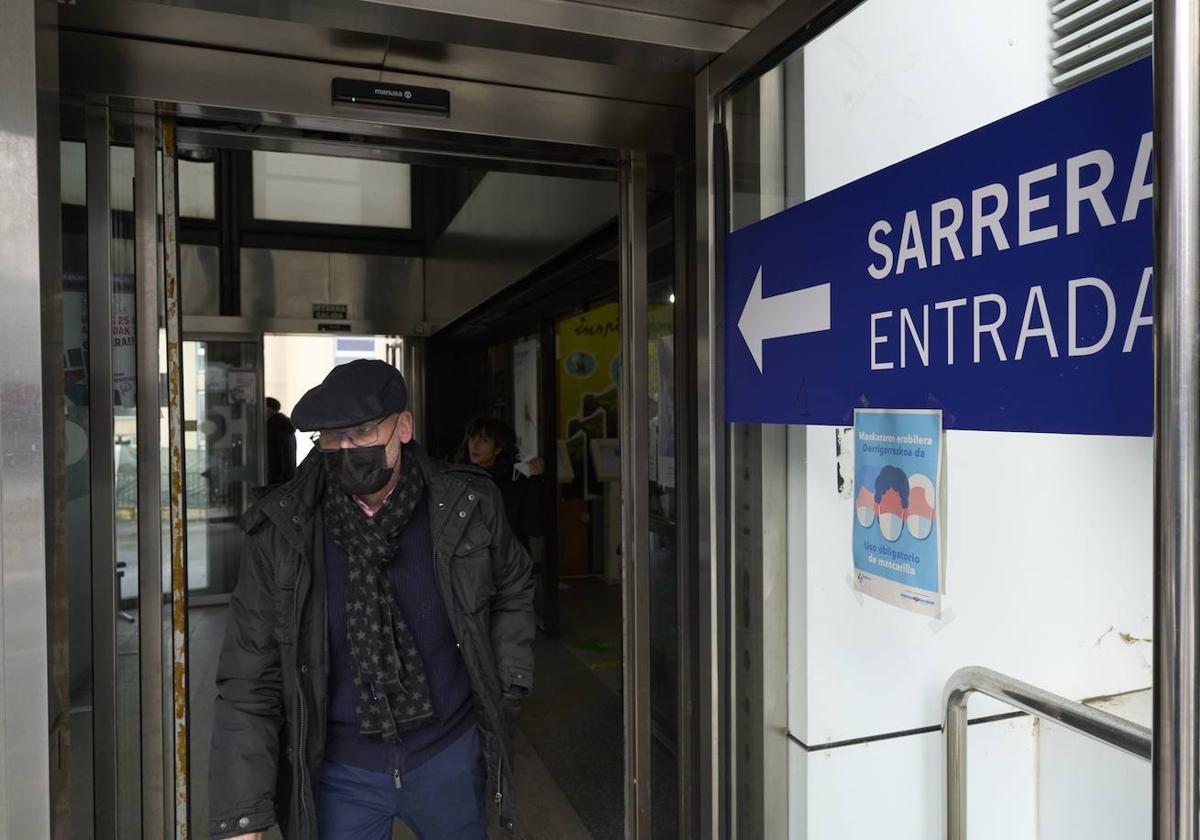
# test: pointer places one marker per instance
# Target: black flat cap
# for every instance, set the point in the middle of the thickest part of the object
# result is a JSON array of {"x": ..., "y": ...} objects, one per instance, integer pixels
[{"x": 353, "y": 393}]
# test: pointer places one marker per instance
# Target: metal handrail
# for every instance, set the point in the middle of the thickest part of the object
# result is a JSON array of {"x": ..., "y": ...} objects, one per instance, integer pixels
[{"x": 1086, "y": 720}]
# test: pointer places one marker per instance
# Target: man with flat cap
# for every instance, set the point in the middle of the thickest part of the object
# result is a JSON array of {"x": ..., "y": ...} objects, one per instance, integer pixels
[{"x": 379, "y": 638}]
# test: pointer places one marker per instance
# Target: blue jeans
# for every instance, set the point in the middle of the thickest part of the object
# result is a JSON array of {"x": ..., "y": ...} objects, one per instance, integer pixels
[{"x": 440, "y": 800}]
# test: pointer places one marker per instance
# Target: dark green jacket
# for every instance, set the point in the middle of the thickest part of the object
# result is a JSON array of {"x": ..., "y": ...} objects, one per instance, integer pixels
[{"x": 270, "y": 716}]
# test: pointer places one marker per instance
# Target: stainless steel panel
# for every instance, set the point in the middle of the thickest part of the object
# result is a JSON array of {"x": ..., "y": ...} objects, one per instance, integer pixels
[
  {"x": 54, "y": 414},
  {"x": 635, "y": 490},
  {"x": 221, "y": 327},
  {"x": 604, "y": 35},
  {"x": 509, "y": 226},
  {"x": 377, "y": 287},
  {"x": 237, "y": 30},
  {"x": 743, "y": 13},
  {"x": 1176, "y": 771},
  {"x": 710, "y": 475},
  {"x": 149, "y": 499},
  {"x": 102, "y": 463},
  {"x": 283, "y": 284},
  {"x": 753, "y": 52},
  {"x": 758, "y": 505},
  {"x": 296, "y": 141},
  {"x": 24, "y": 756},
  {"x": 403, "y": 54},
  {"x": 200, "y": 279},
  {"x": 198, "y": 76},
  {"x": 319, "y": 134},
  {"x": 620, "y": 23}
]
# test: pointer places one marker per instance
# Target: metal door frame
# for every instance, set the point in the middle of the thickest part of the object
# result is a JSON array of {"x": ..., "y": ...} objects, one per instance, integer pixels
[
  {"x": 152, "y": 653},
  {"x": 635, "y": 489},
  {"x": 752, "y": 53},
  {"x": 151, "y": 89},
  {"x": 155, "y": 741},
  {"x": 28, "y": 144},
  {"x": 1176, "y": 773},
  {"x": 295, "y": 93},
  {"x": 102, "y": 466}
]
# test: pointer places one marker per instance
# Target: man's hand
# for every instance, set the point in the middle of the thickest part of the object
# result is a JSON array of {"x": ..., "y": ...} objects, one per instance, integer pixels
[
  {"x": 537, "y": 466},
  {"x": 254, "y": 835}
]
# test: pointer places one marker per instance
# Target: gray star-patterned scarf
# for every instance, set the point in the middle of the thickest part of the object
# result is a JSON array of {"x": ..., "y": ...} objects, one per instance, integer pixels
[{"x": 391, "y": 692}]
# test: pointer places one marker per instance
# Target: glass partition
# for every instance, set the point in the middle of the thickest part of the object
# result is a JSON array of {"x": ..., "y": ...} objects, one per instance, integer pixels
[
  {"x": 77, "y": 428},
  {"x": 125, "y": 328},
  {"x": 665, "y": 576},
  {"x": 112, "y": 524},
  {"x": 330, "y": 190},
  {"x": 223, "y": 422}
]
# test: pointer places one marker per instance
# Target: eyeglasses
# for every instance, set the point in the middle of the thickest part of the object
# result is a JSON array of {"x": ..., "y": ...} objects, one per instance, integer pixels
[{"x": 364, "y": 434}]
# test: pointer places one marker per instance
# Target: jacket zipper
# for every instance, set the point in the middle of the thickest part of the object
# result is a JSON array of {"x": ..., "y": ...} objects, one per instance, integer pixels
[
  {"x": 395, "y": 754},
  {"x": 499, "y": 770},
  {"x": 438, "y": 564},
  {"x": 304, "y": 791}
]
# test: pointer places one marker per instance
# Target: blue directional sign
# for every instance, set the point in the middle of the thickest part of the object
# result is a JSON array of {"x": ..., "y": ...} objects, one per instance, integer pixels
[{"x": 1004, "y": 277}]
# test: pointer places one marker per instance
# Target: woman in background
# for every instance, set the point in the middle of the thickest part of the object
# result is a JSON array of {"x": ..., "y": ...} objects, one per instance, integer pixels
[{"x": 491, "y": 444}]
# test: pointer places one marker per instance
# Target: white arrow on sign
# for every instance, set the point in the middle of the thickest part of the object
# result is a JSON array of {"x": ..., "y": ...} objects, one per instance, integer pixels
[{"x": 792, "y": 313}]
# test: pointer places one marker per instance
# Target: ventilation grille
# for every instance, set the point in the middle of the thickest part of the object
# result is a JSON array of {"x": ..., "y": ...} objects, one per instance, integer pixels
[{"x": 1092, "y": 37}]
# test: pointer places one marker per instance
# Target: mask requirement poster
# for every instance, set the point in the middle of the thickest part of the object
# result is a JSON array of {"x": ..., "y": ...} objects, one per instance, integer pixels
[{"x": 897, "y": 520}]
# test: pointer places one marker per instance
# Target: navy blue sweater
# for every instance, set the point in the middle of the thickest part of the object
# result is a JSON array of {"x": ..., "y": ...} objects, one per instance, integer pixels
[{"x": 415, "y": 589}]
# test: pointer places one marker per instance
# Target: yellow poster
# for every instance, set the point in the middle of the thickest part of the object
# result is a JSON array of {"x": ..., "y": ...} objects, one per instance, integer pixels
[{"x": 589, "y": 362}]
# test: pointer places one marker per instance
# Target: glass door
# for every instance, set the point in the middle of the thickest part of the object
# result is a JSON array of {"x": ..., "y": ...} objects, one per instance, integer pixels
[
  {"x": 77, "y": 536},
  {"x": 656, "y": 533},
  {"x": 223, "y": 470},
  {"x": 223, "y": 457},
  {"x": 113, "y": 520},
  {"x": 668, "y": 577}
]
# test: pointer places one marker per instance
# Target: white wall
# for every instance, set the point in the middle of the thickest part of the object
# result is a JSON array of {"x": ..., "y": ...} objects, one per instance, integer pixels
[
  {"x": 1048, "y": 536},
  {"x": 1086, "y": 789},
  {"x": 882, "y": 789},
  {"x": 897, "y": 77},
  {"x": 1048, "y": 563}
]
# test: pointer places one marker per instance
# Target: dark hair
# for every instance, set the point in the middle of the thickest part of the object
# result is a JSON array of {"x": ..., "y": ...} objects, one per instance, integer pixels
[
  {"x": 892, "y": 478},
  {"x": 496, "y": 429},
  {"x": 273, "y": 404}
]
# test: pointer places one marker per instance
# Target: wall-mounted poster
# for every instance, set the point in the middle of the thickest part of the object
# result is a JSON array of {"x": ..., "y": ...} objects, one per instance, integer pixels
[
  {"x": 243, "y": 385},
  {"x": 589, "y": 370},
  {"x": 525, "y": 396},
  {"x": 898, "y": 556},
  {"x": 124, "y": 343}
]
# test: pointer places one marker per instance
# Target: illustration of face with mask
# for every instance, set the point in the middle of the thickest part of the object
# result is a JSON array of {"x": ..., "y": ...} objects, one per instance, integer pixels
[
  {"x": 864, "y": 499},
  {"x": 891, "y": 499},
  {"x": 922, "y": 503},
  {"x": 864, "y": 506}
]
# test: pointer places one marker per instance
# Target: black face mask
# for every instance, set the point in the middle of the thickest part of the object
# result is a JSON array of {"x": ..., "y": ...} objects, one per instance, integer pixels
[{"x": 359, "y": 471}]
